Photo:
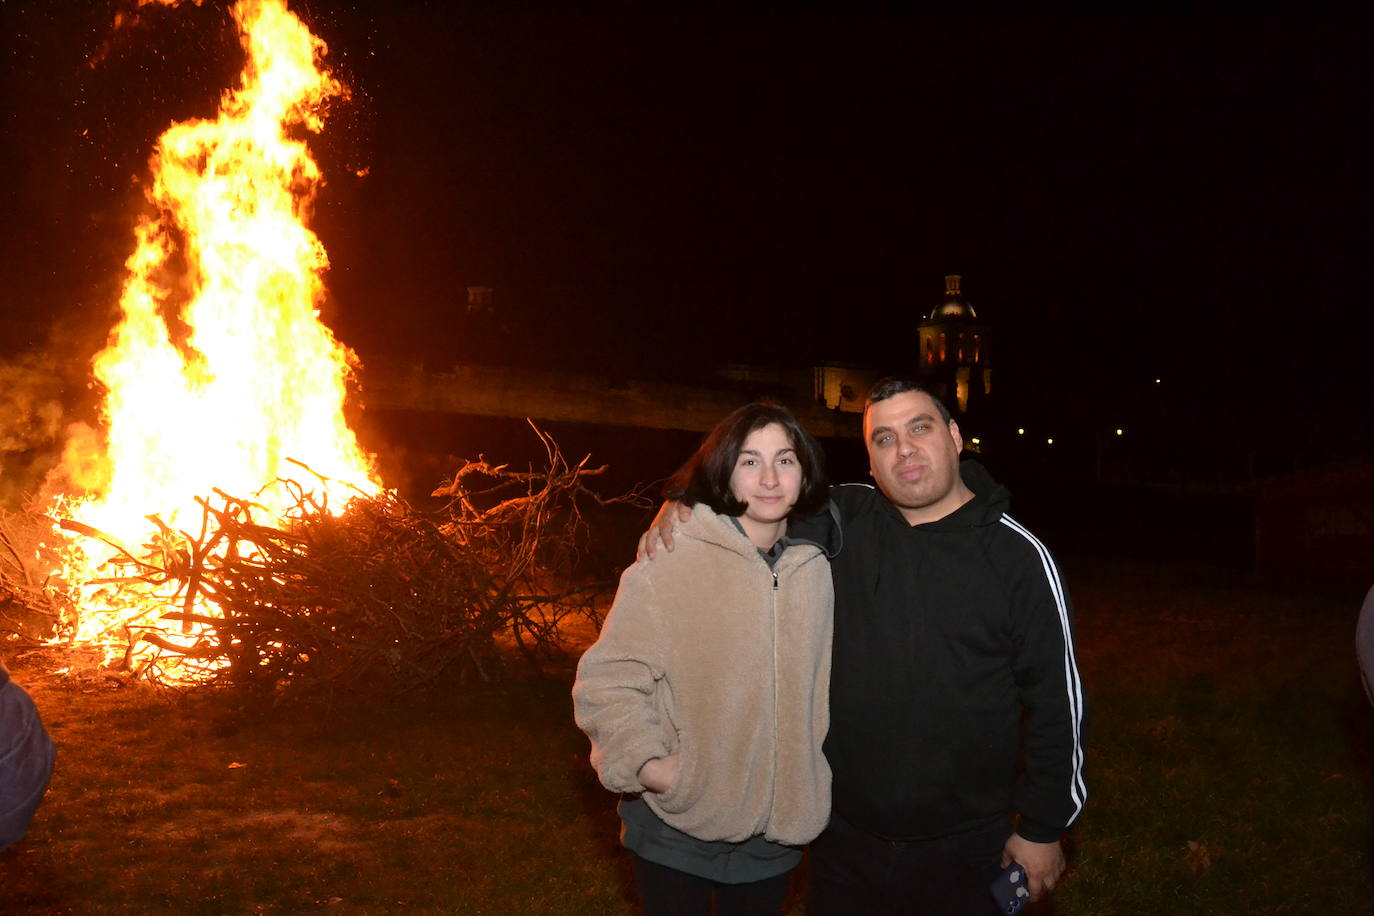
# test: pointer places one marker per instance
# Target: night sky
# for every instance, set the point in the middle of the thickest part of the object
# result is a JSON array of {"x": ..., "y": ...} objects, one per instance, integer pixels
[{"x": 1170, "y": 195}]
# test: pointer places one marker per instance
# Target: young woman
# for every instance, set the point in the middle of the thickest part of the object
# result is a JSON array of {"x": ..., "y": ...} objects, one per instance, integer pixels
[{"x": 706, "y": 695}]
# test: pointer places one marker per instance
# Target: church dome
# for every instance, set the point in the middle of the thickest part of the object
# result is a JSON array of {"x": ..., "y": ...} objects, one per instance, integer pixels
[{"x": 954, "y": 307}]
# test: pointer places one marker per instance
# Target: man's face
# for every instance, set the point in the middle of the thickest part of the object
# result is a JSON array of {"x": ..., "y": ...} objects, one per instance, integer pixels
[{"x": 914, "y": 456}]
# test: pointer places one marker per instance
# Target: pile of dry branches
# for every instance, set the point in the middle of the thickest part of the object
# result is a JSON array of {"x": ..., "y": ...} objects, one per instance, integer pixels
[
  {"x": 29, "y": 609},
  {"x": 381, "y": 595}
]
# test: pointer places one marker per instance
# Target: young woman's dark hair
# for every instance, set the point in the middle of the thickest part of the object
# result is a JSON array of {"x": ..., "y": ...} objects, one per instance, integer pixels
[{"x": 705, "y": 477}]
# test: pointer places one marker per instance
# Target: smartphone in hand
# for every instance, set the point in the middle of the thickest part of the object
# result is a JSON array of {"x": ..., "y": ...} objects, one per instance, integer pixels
[{"x": 1010, "y": 891}]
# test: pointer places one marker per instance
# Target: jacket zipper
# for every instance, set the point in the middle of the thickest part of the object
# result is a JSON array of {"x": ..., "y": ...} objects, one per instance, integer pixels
[{"x": 773, "y": 606}]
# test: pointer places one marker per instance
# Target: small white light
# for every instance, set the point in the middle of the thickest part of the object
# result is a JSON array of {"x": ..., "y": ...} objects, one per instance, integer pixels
[
  {"x": 1157, "y": 381},
  {"x": 1120, "y": 432},
  {"x": 1049, "y": 442},
  {"x": 976, "y": 440},
  {"x": 1021, "y": 431}
]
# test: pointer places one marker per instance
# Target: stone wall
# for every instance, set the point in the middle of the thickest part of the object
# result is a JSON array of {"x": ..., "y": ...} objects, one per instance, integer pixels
[{"x": 490, "y": 391}]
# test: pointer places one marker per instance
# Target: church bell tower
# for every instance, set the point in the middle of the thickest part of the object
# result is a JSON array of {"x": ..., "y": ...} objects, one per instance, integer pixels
[{"x": 954, "y": 353}]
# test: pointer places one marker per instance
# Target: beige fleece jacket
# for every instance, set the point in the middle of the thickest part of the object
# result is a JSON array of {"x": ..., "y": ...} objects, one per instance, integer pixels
[{"x": 706, "y": 654}]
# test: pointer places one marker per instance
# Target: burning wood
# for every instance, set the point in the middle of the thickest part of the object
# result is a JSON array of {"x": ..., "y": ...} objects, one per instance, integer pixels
[
  {"x": 381, "y": 593},
  {"x": 27, "y": 605},
  {"x": 220, "y": 330},
  {"x": 218, "y": 373}
]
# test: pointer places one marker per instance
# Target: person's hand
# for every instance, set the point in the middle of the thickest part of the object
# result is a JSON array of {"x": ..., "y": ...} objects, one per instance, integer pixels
[
  {"x": 661, "y": 529},
  {"x": 1043, "y": 862},
  {"x": 659, "y": 774}
]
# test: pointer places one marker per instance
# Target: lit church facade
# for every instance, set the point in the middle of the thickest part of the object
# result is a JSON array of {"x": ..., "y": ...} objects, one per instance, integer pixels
[
  {"x": 951, "y": 357},
  {"x": 954, "y": 352}
]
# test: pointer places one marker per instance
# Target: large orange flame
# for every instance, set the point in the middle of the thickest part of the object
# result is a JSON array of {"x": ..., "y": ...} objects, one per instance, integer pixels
[{"x": 220, "y": 372}]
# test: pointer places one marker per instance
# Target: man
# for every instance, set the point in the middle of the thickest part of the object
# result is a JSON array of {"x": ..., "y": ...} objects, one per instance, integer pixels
[{"x": 951, "y": 624}]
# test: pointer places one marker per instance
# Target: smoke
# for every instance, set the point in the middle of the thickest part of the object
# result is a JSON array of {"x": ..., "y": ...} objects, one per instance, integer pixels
[
  {"x": 50, "y": 416},
  {"x": 32, "y": 425}
]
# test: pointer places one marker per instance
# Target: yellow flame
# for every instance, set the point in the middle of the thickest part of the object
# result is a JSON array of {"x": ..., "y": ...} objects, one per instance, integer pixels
[{"x": 220, "y": 370}]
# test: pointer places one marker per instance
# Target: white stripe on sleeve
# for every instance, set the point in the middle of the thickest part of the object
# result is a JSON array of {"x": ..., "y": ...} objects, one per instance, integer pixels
[{"x": 1077, "y": 790}]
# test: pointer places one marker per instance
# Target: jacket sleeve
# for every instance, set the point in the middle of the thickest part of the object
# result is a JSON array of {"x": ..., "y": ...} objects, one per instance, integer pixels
[
  {"x": 26, "y": 761},
  {"x": 617, "y": 678},
  {"x": 1050, "y": 792}
]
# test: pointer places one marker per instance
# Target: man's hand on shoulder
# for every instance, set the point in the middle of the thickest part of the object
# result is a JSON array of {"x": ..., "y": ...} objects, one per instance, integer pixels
[
  {"x": 1043, "y": 862},
  {"x": 670, "y": 515}
]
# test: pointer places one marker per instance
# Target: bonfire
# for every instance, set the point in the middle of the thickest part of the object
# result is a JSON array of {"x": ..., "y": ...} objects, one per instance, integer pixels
[{"x": 222, "y": 523}]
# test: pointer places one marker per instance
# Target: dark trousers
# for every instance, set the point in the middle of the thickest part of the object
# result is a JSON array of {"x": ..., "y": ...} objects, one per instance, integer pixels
[
  {"x": 666, "y": 891},
  {"x": 853, "y": 872}
]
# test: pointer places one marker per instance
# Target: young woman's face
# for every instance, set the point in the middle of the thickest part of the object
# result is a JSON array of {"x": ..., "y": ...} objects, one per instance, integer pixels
[{"x": 767, "y": 475}]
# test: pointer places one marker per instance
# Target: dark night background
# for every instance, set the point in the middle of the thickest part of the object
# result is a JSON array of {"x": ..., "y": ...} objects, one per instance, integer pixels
[{"x": 1182, "y": 196}]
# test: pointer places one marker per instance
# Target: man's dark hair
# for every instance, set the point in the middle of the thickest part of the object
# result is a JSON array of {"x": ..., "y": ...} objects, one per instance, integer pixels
[
  {"x": 705, "y": 477},
  {"x": 897, "y": 384}
]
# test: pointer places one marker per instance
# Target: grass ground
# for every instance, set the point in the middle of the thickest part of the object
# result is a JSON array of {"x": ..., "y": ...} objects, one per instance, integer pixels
[{"x": 1229, "y": 770}]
